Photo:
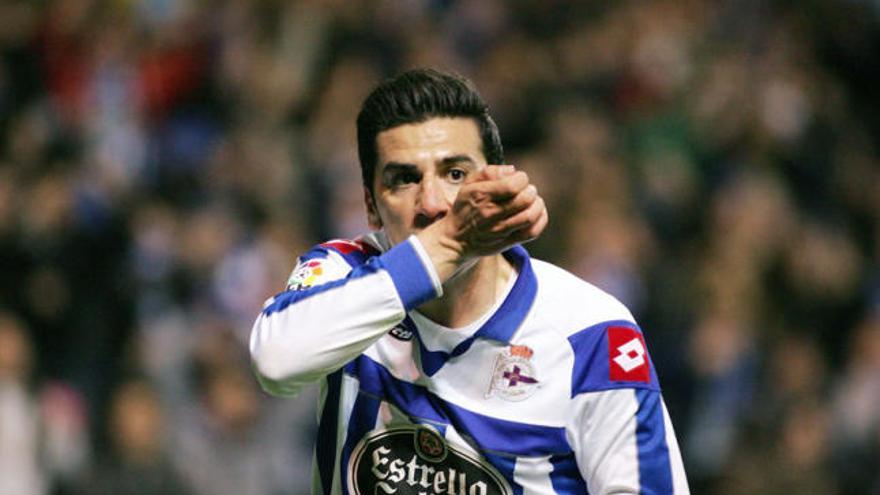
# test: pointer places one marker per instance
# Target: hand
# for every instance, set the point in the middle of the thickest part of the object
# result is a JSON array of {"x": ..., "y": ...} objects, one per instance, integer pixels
[{"x": 495, "y": 209}]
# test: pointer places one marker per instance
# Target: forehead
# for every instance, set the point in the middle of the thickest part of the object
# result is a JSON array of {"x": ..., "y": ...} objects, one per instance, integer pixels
[{"x": 431, "y": 140}]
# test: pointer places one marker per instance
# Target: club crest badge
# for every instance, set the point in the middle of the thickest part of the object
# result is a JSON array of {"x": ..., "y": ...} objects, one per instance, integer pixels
[
  {"x": 514, "y": 377},
  {"x": 429, "y": 444},
  {"x": 305, "y": 275}
]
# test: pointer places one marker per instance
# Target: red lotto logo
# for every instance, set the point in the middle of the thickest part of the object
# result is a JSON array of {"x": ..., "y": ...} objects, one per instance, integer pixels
[{"x": 628, "y": 359}]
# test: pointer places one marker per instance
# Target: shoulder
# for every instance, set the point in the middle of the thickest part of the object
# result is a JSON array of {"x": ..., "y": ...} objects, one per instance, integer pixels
[
  {"x": 353, "y": 251},
  {"x": 574, "y": 303},
  {"x": 607, "y": 346},
  {"x": 330, "y": 260}
]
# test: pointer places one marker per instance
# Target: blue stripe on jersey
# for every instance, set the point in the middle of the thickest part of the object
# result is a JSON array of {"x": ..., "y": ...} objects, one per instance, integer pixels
[
  {"x": 507, "y": 319},
  {"x": 325, "y": 450},
  {"x": 413, "y": 284},
  {"x": 503, "y": 323},
  {"x": 362, "y": 421},
  {"x": 508, "y": 436},
  {"x": 410, "y": 276},
  {"x": 565, "y": 477},
  {"x": 590, "y": 372},
  {"x": 505, "y": 465},
  {"x": 285, "y": 299},
  {"x": 432, "y": 361},
  {"x": 655, "y": 471},
  {"x": 316, "y": 253},
  {"x": 488, "y": 433}
]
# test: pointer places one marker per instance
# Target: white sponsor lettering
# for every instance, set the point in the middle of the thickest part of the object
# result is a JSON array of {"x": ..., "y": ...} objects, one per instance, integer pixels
[
  {"x": 438, "y": 482},
  {"x": 450, "y": 482},
  {"x": 631, "y": 355},
  {"x": 396, "y": 470},
  {"x": 378, "y": 461},
  {"x": 394, "y": 461}
]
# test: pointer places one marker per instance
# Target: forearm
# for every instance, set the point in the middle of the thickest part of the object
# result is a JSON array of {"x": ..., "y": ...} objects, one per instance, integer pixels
[
  {"x": 301, "y": 336},
  {"x": 445, "y": 254}
]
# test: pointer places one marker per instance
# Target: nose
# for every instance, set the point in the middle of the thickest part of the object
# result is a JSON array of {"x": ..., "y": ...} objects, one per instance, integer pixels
[{"x": 432, "y": 202}]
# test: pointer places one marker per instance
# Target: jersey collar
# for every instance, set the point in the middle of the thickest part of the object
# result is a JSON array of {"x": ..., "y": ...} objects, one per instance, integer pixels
[{"x": 506, "y": 320}]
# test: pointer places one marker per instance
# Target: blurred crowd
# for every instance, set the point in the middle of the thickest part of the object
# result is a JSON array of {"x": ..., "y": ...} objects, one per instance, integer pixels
[{"x": 714, "y": 164}]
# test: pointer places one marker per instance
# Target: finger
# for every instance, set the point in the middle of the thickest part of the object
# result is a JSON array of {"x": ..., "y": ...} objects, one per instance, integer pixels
[
  {"x": 515, "y": 184},
  {"x": 524, "y": 219},
  {"x": 482, "y": 175},
  {"x": 530, "y": 232},
  {"x": 491, "y": 173},
  {"x": 502, "y": 189},
  {"x": 506, "y": 170},
  {"x": 535, "y": 230},
  {"x": 493, "y": 212},
  {"x": 520, "y": 202},
  {"x": 501, "y": 171}
]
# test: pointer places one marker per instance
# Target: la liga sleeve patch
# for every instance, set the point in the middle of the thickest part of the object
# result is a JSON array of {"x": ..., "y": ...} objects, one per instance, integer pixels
[
  {"x": 627, "y": 356},
  {"x": 306, "y": 275}
]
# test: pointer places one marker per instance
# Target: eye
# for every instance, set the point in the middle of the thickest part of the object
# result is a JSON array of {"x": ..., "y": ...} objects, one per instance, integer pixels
[
  {"x": 403, "y": 178},
  {"x": 457, "y": 175}
]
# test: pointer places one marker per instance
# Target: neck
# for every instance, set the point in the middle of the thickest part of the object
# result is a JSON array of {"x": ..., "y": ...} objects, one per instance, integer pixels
[{"x": 469, "y": 294}]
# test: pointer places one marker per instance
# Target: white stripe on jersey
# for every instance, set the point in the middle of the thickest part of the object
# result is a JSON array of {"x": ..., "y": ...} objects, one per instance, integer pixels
[
  {"x": 533, "y": 474},
  {"x": 605, "y": 450}
]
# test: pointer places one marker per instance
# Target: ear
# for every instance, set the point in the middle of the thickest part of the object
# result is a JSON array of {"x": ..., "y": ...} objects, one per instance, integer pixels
[{"x": 373, "y": 217}]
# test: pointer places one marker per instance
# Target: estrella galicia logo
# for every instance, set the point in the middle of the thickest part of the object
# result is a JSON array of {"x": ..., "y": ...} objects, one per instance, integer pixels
[{"x": 415, "y": 459}]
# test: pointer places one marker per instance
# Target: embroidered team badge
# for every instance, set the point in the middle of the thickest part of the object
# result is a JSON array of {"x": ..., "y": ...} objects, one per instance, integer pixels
[
  {"x": 305, "y": 275},
  {"x": 429, "y": 444},
  {"x": 514, "y": 377},
  {"x": 627, "y": 357}
]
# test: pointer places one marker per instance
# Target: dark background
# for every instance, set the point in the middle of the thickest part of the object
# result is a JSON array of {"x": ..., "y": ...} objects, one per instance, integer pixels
[{"x": 714, "y": 164}]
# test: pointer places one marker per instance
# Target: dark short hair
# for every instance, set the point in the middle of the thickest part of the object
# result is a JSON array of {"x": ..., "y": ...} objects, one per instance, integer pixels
[{"x": 416, "y": 96}]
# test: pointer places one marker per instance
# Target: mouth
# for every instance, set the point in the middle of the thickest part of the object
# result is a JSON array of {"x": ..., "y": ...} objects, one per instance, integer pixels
[{"x": 421, "y": 222}]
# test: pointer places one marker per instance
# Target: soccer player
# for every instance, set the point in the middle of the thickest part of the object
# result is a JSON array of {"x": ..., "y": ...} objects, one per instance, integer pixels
[{"x": 450, "y": 361}]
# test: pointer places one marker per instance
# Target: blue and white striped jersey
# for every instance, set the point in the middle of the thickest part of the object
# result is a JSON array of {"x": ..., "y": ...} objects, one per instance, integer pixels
[{"x": 553, "y": 391}]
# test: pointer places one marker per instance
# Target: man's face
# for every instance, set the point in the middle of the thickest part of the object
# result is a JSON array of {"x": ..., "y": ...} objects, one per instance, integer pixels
[{"x": 419, "y": 169}]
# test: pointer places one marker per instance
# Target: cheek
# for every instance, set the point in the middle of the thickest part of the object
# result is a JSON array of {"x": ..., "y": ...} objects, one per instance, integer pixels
[
  {"x": 395, "y": 212},
  {"x": 450, "y": 191}
]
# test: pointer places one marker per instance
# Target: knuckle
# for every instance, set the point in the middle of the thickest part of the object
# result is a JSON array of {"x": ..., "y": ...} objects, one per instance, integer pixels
[
  {"x": 534, "y": 217},
  {"x": 533, "y": 194}
]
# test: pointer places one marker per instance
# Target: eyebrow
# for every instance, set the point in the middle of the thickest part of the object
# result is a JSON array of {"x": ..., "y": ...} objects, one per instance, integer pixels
[
  {"x": 454, "y": 159},
  {"x": 393, "y": 167}
]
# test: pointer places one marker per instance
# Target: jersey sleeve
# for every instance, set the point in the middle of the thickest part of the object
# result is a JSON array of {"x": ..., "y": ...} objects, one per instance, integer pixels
[
  {"x": 620, "y": 430},
  {"x": 339, "y": 301}
]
